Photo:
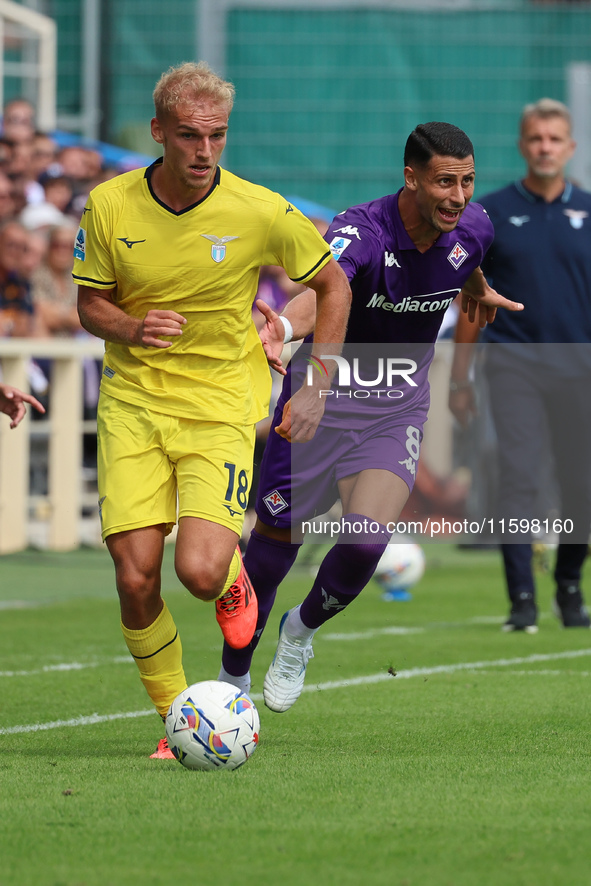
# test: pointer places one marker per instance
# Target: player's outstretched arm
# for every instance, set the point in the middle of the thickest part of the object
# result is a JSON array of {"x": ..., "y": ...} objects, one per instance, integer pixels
[
  {"x": 303, "y": 413},
  {"x": 480, "y": 299},
  {"x": 101, "y": 316},
  {"x": 272, "y": 335},
  {"x": 12, "y": 404},
  {"x": 300, "y": 314}
]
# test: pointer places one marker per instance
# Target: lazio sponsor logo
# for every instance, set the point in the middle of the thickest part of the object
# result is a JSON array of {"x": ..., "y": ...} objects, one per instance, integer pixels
[{"x": 411, "y": 303}]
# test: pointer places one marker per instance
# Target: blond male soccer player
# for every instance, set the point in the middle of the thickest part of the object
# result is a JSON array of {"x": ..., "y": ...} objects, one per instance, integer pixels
[{"x": 168, "y": 260}]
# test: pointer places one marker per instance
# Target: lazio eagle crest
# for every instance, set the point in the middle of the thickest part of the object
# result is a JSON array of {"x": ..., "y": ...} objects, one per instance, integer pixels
[{"x": 218, "y": 249}]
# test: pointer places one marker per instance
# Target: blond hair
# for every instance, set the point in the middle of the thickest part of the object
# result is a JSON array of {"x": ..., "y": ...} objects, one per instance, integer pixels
[
  {"x": 190, "y": 82},
  {"x": 544, "y": 108}
]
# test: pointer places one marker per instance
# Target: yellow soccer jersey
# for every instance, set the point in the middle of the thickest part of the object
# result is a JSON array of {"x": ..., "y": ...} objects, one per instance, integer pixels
[{"x": 203, "y": 263}]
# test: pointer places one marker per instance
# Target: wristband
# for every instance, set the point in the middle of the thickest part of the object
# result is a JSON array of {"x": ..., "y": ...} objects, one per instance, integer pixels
[
  {"x": 459, "y": 385},
  {"x": 288, "y": 330}
]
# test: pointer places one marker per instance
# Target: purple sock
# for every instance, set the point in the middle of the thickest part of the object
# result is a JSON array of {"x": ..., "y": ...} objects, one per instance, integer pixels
[
  {"x": 345, "y": 570},
  {"x": 267, "y": 562}
]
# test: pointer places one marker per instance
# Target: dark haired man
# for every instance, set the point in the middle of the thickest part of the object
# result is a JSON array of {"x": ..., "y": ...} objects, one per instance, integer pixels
[{"x": 407, "y": 256}]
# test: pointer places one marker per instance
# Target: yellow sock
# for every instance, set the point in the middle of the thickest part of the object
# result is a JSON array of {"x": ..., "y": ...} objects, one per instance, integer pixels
[
  {"x": 158, "y": 654},
  {"x": 234, "y": 571}
]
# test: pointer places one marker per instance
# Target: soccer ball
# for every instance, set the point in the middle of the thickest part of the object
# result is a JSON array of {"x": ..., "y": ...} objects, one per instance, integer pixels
[
  {"x": 401, "y": 566},
  {"x": 212, "y": 725}
]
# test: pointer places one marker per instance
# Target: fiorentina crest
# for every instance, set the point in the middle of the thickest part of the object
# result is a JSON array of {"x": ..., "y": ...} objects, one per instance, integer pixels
[
  {"x": 275, "y": 502},
  {"x": 457, "y": 256}
]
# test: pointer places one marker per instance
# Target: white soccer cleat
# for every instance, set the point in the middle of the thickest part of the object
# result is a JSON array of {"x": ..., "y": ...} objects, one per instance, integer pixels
[{"x": 284, "y": 680}]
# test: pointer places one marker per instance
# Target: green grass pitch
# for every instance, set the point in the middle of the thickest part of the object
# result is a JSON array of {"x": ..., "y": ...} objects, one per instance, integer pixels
[{"x": 470, "y": 767}]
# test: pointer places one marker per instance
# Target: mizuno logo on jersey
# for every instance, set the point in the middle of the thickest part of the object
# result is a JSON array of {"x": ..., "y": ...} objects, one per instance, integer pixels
[
  {"x": 218, "y": 250},
  {"x": 457, "y": 256},
  {"x": 348, "y": 229},
  {"x": 518, "y": 220},
  {"x": 289, "y": 208},
  {"x": 389, "y": 260},
  {"x": 233, "y": 513},
  {"x": 412, "y": 303},
  {"x": 129, "y": 243}
]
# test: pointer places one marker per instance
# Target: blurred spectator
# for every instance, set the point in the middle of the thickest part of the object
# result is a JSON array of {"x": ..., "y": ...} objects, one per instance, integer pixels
[
  {"x": 34, "y": 254},
  {"x": 58, "y": 191},
  {"x": 41, "y": 216},
  {"x": 54, "y": 296},
  {"x": 19, "y": 195},
  {"x": 20, "y": 171},
  {"x": 18, "y": 121},
  {"x": 16, "y": 305},
  {"x": 54, "y": 293},
  {"x": 52, "y": 210},
  {"x": 45, "y": 151},
  {"x": 80, "y": 165},
  {"x": 7, "y": 204},
  {"x": 6, "y": 148}
]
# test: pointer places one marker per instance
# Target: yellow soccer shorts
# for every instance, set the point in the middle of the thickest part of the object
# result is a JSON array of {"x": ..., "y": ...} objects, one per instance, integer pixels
[{"x": 151, "y": 464}]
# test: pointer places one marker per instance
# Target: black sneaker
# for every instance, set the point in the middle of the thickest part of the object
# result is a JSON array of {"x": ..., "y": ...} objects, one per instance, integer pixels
[
  {"x": 523, "y": 615},
  {"x": 570, "y": 606}
]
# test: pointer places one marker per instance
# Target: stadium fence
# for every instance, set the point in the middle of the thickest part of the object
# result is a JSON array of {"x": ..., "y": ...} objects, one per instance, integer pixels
[{"x": 63, "y": 505}]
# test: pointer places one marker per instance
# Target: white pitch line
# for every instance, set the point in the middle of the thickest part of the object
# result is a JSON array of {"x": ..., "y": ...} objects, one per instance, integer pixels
[
  {"x": 77, "y": 721},
  {"x": 18, "y": 604},
  {"x": 548, "y": 673},
  {"x": 391, "y": 630},
  {"x": 377, "y": 632},
  {"x": 68, "y": 666},
  {"x": 447, "y": 669},
  {"x": 395, "y": 630},
  {"x": 94, "y": 719}
]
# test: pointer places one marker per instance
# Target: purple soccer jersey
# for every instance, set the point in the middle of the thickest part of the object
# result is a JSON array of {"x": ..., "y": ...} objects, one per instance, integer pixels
[
  {"x": 400, "y": 296},
  {"x": 399, "y": 293}
]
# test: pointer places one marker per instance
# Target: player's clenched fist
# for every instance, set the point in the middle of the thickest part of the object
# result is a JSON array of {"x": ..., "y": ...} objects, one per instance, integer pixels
[{"x": 159, "y": 323}]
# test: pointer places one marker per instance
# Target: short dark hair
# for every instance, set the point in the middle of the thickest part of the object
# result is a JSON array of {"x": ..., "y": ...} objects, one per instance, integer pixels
[{"x": 441, "y": 139}]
